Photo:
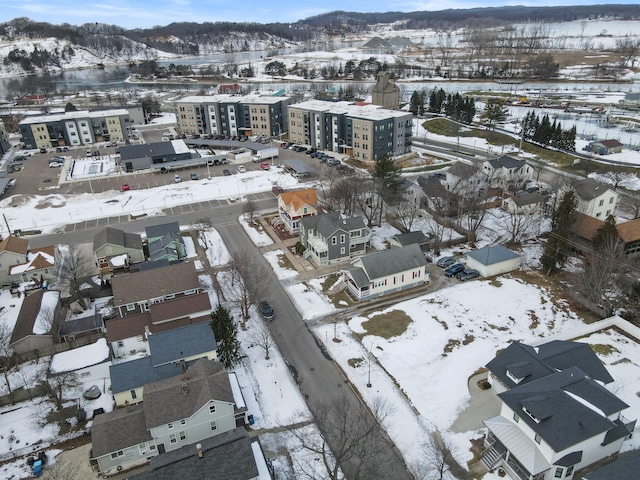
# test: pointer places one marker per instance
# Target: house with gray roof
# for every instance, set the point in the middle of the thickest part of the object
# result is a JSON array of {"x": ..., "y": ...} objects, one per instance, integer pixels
[
  {"x": 493, "y": 260},
  {"x": 507, "y": 173},
  {"x": 519, "y": 363},
  {"x": 157, "y": 155},
  {"x": 329, "y": 238},
  {"x": 465, "y": 179},
  {"x": 165, "y": 242},
  {"x": 179, "y": 410},
  {"x": 409, "y": 238},
  {"x": 554, "y": 426},
  {"x": 598, "y": 200},
  {"x": 385, "y": 272},
  {"x": 624, "y": 467},
  {"x": 112, "y": 244},
  {"x": 226, "y": 456},
  {"x": 170, "y": 352}
]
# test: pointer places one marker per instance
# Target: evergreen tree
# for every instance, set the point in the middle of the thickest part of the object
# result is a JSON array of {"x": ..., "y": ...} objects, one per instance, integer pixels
[
  {"x": 557, "y": 249},
  {"x": 226, "y": 333},
  {"x": 416, "y": 103},
  {"x": 386, "y": 174},
  {"x": 495, "y": 112},
  {"x": 607, "y": 235}
]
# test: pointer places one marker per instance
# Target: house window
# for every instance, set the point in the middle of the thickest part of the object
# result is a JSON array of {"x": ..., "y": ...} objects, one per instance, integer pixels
[
  {"x": 212, "y": 409},
  {"x": 214, "y": 426},
  {"x": 608, "y": 213},
  {"x": 569, "y": 471},
  {"x": 120, "y": 343},
  {"x": 183, "y": 422},
  {"x": 341, "y": 238},
  {"x": 117, "y": 454},
  {"x": 559, "y": 472},
  {"x": 334, "y": 241},
  {"x": 134, "y": 395},
  {"x": 108, "y": 249},
  {"x": 601, "y": 202},
  {"x": 611, "y": 200},
  {"x": 130, "y": 306},
  {"x": 598, "y": 215},
  {"x": 172, "y": 438},
  {"x": 538, "y": 439},
  {"x": 190, "y": 292},
  {"x": 142, "y": 448},
  {"x": 516, "y": 417},
  {"x": 170, "y": 426},
  {"x": 183, "y": 436}
]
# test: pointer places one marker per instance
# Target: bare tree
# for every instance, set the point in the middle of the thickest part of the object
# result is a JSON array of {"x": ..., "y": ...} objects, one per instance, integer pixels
[
  {"x": 248, "y": 283},
  {"x": 445, "y": 47},
  {"x": 633, "y": 202},
  {"x": 201, "y": 226},
  {"x": 406, "y": 212},
  {"x": 352, "y": 445},
  {"x": 62, "y": 470},
  {"x": 437, "y": 460},
  {"x": 7, "y": 361},
  {"x": 58, "y": 384},
  {"x": 262, "y": 337},
  {"x": 74, "y": 267},
  {"x": 518, "y": 223},
  {"x": 249, "y": 210},
  {"x": 617, "y": 177}
]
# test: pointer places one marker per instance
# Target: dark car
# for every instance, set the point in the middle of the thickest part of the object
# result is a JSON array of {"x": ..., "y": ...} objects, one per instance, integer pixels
[
  {"x": 266, "y": 310},
  {"x": 467, "y": 274},
  {"x": 194, "y": 176},
  {"x": 226, "y": 171},
  {"x": 277, "y": 189},
  {"x": 446, "y": 262},
  {"x": 453, "y": 269}
]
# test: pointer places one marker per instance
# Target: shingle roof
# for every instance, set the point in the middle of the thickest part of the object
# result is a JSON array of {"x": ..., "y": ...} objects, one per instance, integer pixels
[
  {"x": 180, "y": 343},
  {"x": 39, "y": 259},
  {"x": 387, "y": 262},
  {"x": 133, "y": 374},
  {"x": 404, "y": 239},
  {"x": 626, "y": 466},
  {"x": 14, "y": 245},
  {"x": 27, "y": 316},
  {"x": 155, "y": 231},
  {"x": 179, "y": 307},
  {"x": 569, "y": 406},
  {"x": 115, "y": 236},
  {"x": 169, "y": 399},
  {"x": 588, "y": 188},
  {"x": 492, "y": 255},
  {"x": 227, "y": 456},
  {"x": 629, "y": 231},
  {"x": 107, "y": 430},
  {"x": 463, "y": 170},
  {"x": 507, "y": 162},
  {"x": 527, "y": 199},
  {"x": 328, "y": 223},
  {"x": 145, "y": 284},
  {"x": 298, "y": 198}
]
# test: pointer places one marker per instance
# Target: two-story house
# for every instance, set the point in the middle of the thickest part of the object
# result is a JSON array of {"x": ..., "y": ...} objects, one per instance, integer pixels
[
  {"x": 598, "y": 200},
  {"x": 13, "y": 251},
  {"x": 464, "y": 179},
  {"x": 552, "y": 427},
  {"x": 39, "y": 267},
  {"x": 296, "y": 205},
  {"x": 165, "y": 242},
  {"x": 177, "y": 411},
  {"x": 115, "y": 249},
  {"x": 169, "y": 353},
  {"x": 328, "y": 238},
  {"x": 507, "y": 173},
  {"x": 384, "y": 272}
]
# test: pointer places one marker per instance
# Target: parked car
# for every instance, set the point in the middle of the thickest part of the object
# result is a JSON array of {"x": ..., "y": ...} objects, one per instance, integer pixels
[
  {"x": 277, "y": 189},
  {"x": 56, "y": 164},
  {"x": 226, "y": 171},
  {"x": 453, "y": 269},
  {"x": 125, "y": 187},
  {"x": 467, "y": 274},
  {"x": 241, "y": 169},
  {"x": 445, "y": 262},
  {"x": 194, "y": 176},
  {"x": 177, "y": 179},
  {"x": 265, "y": 166},
  {"x": 43, "y": 150},
  {"x": 266, "y": 310}
]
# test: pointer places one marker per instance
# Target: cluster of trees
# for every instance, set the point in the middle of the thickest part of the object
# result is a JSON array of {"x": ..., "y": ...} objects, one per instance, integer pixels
[
  {"x": 38, "y": 58},
  {"x": 456, "y": 106},
  {"x": 543, "y": 132}
]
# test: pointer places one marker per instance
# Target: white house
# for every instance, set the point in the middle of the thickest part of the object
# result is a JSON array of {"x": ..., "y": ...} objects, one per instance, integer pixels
[
  {"x": 465, "y": 179},
  {"x": 507, "y": 173},
  {"x": 385, "y": 272},
  {"x": 527, "y": 203},
  {"x": 296, "y": 205},
  {"x": 598, "y": 200},
  {"x": 490, "y": 261}
]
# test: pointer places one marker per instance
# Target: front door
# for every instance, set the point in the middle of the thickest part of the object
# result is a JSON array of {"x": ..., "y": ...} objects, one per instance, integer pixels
[{"x": 161, "y": 449}]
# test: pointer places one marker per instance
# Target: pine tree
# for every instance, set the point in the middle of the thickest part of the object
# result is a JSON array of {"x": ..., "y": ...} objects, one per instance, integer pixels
[
  {"x": 226, "y": 333},
  {"x": 417, "y": 103},
  {"x": 495, "y": 112},
  {"x": 557, "y": 249},
  {"x": 607, "y": 235}
]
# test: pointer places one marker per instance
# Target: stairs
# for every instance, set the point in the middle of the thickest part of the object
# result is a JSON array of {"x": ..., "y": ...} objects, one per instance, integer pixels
[{"x": 491, "y": 457}]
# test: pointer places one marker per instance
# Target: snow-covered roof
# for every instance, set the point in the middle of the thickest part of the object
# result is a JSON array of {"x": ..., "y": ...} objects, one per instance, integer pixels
[
  {"x": 42, "y": 323},
  {"x": 80, "y": 357}
]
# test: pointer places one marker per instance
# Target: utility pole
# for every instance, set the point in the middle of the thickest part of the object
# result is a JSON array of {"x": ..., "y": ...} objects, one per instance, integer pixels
[{"x": 6, "y": 223}]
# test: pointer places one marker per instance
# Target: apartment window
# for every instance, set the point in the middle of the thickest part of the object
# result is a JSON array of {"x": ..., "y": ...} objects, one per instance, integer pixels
[
  {"x": 133, "y": 393},
  {"x": 212, "y": 409},
  {"x": 516, "y": 417},
  {"x": 183, "y": 436},
  {"x": 173, "y": 438},
  {"x": 538, "y": 439},
  {"x": 213, "y": 426},
  {"x": 559, "y": 472}
]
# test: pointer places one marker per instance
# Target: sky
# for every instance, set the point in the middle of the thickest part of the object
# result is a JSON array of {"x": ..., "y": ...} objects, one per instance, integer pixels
[{"x": 138, "y": 14}]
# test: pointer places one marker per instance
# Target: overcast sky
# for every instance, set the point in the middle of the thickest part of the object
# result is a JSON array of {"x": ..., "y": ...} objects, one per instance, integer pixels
[{"x": 143, "y": 13}]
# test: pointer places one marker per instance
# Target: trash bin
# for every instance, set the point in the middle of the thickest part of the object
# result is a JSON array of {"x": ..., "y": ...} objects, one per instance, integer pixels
[
  {"x": 37, "y": 468},
  {"x": 251, "y": 420}
]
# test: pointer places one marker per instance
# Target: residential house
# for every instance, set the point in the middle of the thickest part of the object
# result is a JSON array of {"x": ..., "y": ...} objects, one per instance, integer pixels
[
  {"x": 227, "y": 456},
  {"x": 494, "y": 260},
  {"x": 169, "y": 353},
  {"x": 72, "y": 329},
  {"x": 598, "y": 200},
  {"x": 554, "y": 426},
  {"x": 465, "y": 179},
  {"x": 604, "y": 147},
  {"x": 624, "y": 467},
  {"x": 507, "y": 173},
  {"x": 410, "y": 238},
  {"x": 296, "y": 205},
  {"x": 586, "y": 227},
  {"x": 40, "y": 267},
  {"x": 525, "y": 203},
  {"x": 165, "y": 242},
  {"x": 328, "y": 238},
  {"x": 32, "y": 331},
  {"x": 519, "y": 363},
  {"x": 179, "y": 410},
  {"x": 13, "y": 251},
  {"x": 135, "y": 292},
  {"x": 115, "y": 249},
  {"x": 437, "y": 198},
  {"x": 385, "y": 272}
]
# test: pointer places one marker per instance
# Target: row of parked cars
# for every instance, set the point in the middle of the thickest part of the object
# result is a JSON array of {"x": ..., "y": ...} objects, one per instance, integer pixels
[{"x": 457, "y": 270}]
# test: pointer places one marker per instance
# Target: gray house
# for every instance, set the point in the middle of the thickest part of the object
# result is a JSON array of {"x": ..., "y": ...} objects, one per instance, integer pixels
[
  {"x": 410, "y": 238},
  {"x": 329, "y": 238},
  {"x": 115, "y": 249},
  {"x": 177, "y": 411},
  {"x": 171, "y": 154},
  {"x": 165, "y": 242},
  {"x": 626, "y": 466}
]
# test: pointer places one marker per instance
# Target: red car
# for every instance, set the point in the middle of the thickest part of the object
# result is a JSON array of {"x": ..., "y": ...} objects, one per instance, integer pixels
[
  {"x": 265, "y": 166},
  {"x": 125, "y": 187}
]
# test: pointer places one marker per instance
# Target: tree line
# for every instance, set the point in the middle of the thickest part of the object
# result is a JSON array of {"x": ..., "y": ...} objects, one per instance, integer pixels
[
  {"x": 543, "y": 132},
  {"x": 454, "y": 106}
]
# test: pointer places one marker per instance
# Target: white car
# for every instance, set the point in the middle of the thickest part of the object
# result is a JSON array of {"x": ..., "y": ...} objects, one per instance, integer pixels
[
  {"x": 55, "y": 164},
  {"x": 241, "y": 169},
  {"x": 177, "y": 179}
]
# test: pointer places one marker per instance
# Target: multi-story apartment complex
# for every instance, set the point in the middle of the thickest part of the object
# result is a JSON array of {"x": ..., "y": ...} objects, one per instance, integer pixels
[
  {"x": 75, "y": 128},
  {"x": 366, "y": 132},
  {"x": 223, "y": 114}
]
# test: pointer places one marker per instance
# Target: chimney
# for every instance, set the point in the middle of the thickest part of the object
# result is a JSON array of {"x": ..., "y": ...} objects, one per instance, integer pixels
[
  {"x": 199, "y": 450},
  {"x": 185, "y": 388}
]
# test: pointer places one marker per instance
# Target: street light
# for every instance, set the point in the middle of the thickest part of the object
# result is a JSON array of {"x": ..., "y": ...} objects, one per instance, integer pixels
[{"x": 369, "y": 377}]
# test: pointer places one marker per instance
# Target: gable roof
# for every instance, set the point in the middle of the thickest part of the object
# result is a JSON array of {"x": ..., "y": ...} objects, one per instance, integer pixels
[
  {"x": 387, "y": 262},
  {"x": 507, "y": 162},
  {"x": 610, "y": 143},
  {"x": 527, "y": 199},
  {"x": 629, "y": 231},
  {"x": 569, "y": 407},
  {"x": 107, "y": 429},
  {"x": 14, "y": 245},
  {"x": 180, "y": 343},
  {"x": 463, "y": 170},
  {"x": 155, "y": 231},
  {"x": 27, "y": 316},
  {"x": 626, "y": 466},
  {"x": 492, "y": 255},
  {"x": 145, "y": 284},
  {"x": 115, "y": 236},
  {"x": 133, "y": 374},
  {"x": 298, "y": 198},
  {"x": 181, "y": 396},
  {"x": 409, "y": 238},
  {"x": 532, "y": 363},
  {"x": 588, "y": 188},
  {"x": 38, "y": 259},
  {"x": 328, "y": 223}
]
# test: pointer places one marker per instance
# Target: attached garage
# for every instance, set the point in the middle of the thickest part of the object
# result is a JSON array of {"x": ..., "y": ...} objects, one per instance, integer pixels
[{"x": 490, "y": 261}]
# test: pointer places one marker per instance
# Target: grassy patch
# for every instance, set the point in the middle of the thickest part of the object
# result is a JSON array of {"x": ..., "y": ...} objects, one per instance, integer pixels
[
  {"x": 495, "y": 282},
  {"x": 441, "y": 322},
  {"x": 604, "y": 350},
  {"x": 355, "y": 362},
  {"x": 468, "y": 339},
  {"x": 329, "y": 281},
  {"x": 341, "y": 299},
  {"x": 535, "y": 321},
  {"x": 387, "y": 325},
  {"x": 500, "y": 329},
  {"x": 284, "y": 262},
  {"x": 451, "y": 344}
]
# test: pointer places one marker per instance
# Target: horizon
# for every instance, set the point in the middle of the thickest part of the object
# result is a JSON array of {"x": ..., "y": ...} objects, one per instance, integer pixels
[{"x": 137, "y": 15}]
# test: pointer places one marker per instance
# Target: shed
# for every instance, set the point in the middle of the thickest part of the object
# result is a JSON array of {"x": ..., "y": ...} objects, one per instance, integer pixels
[{"x": 490, "y": 261}]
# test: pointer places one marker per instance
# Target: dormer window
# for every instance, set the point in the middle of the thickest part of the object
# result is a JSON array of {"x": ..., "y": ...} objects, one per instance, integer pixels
[
  {"x": 513, "y": 378},
  {"x": 531, "y": 415}
]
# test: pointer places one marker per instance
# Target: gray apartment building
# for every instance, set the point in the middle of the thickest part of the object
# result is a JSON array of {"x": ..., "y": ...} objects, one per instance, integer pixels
[
  {"x": 224, "y": 114},
  {"x": 367, "y": 132},
  {"x": 75, "y": 128}
]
